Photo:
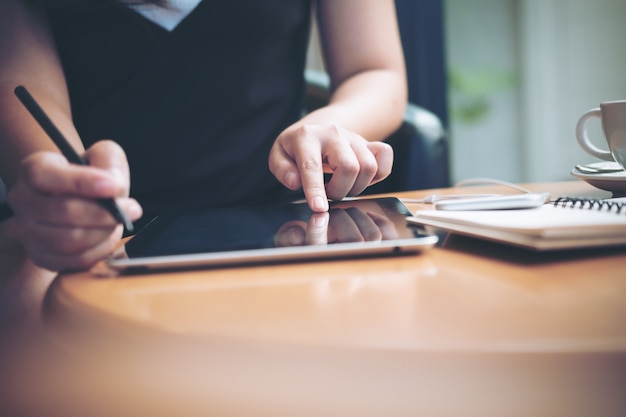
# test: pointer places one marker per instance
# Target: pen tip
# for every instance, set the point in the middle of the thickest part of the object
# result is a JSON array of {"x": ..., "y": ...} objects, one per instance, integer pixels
[{"x": 129, "y": 226}]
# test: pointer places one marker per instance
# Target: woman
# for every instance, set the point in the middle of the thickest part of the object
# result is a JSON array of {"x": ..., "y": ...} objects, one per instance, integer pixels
[{"x": 201, "y": 99}]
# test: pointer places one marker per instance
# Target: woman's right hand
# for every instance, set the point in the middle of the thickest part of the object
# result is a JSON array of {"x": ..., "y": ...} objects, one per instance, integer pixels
[{"x": 58, "y": 219}]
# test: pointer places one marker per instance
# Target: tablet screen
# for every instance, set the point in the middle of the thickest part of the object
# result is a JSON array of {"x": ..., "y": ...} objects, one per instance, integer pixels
[{"x": 258, "y": 233}]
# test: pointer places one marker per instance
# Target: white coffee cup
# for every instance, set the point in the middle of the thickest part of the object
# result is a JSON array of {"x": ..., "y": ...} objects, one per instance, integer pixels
[{"x": 612, "y": 115}]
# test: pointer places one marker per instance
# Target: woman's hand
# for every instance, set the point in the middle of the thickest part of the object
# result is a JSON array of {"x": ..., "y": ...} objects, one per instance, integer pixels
[
  {"x": 362, "y": 52},
  {"x": 303, "y": 153},
  {"x": 58, "y": 219}
]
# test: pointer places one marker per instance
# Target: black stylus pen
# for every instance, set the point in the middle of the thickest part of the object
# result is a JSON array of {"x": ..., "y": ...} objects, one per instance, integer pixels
[{"x": 67, "y": 150}]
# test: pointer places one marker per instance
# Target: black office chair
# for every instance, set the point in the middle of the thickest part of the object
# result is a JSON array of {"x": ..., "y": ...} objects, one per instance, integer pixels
[{"x": 420, "y": 144}]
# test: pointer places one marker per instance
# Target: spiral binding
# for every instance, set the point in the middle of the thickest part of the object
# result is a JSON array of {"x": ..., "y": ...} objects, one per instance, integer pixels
[{"x": 590, "y": 204}]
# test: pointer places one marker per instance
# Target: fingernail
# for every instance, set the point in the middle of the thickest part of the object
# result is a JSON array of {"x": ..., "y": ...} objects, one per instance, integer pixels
[{"x": 320, "y": 203}]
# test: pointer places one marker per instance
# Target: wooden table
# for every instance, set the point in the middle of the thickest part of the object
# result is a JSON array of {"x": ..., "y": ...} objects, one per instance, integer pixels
[{"x": 471, "y": 328}]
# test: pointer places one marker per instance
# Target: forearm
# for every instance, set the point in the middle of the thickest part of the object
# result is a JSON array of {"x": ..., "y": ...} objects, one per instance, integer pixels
[
  {"x": 20, "y": 135},
  {"x": 370, "y": 103},
  {"x": 28, "y": 57},
  {"x": 363, "y": 55}
]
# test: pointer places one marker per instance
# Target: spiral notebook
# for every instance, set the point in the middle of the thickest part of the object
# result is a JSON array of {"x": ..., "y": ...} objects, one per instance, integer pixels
[{"x": 566, "y": 223}]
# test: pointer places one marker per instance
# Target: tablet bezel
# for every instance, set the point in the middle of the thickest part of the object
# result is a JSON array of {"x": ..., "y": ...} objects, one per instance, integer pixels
[{"x": 419, "y": 241}]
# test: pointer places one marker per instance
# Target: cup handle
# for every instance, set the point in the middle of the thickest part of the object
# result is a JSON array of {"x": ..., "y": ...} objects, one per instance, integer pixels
[{"x": 583, "y": 138}]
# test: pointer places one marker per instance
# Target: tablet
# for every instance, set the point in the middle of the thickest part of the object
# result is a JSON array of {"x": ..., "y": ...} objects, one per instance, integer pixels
[{"x": 279, "y": 233}]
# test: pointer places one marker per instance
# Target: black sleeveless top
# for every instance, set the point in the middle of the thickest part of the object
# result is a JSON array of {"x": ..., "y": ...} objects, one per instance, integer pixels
[{"x": 196, "y": 109}]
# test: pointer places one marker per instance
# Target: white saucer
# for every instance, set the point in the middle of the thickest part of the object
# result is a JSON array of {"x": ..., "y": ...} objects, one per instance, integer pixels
[{"x": 610, "y": 181}]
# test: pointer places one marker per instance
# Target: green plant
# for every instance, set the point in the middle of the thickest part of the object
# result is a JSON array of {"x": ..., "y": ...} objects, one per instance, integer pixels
[{"x": 471, "y": 89}]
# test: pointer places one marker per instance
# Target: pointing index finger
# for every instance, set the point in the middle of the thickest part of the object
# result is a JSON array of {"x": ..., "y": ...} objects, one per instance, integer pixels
[{"x": 312, "y": 177}]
